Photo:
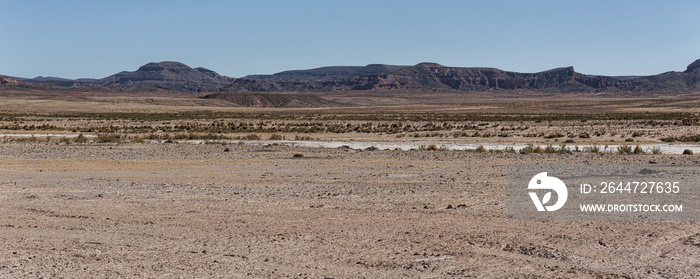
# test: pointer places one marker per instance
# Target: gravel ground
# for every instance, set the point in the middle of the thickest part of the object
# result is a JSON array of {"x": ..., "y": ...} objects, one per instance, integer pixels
[{"x": 186, "y": 210}]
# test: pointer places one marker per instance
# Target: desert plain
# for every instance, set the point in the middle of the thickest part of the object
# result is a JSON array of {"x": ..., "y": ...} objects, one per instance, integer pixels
[{"x": 182, "y": 187}]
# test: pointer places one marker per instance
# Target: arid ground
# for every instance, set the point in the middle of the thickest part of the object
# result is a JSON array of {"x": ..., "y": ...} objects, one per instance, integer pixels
[{"x": 138, "y": 196}]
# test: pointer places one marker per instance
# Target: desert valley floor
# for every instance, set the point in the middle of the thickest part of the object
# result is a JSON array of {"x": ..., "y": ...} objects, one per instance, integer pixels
[{"x": 135, "y": 197}]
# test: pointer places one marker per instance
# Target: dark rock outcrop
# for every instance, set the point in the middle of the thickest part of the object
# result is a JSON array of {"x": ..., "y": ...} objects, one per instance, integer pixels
[
  {"x": 432, "y": 76},
  {"x": 423, "y": 76},
  {"x": 327, "y": 73},
  {"x": 9, "y": 82},
  {"x": 169, "y": 76},
  {"x": 693, "y": 67}
]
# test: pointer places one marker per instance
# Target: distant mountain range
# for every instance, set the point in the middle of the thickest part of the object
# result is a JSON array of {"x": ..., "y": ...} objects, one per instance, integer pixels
[
  {"x": 420, "y": 77},
  {"x": 328, "y": 73}
]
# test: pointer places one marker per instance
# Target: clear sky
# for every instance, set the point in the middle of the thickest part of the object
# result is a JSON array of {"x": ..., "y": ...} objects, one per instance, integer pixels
[{"x": 97, "y": 38}]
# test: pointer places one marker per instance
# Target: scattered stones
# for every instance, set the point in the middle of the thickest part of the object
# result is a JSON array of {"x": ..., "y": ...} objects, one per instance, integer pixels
[
  {"x": 449, "y": 206},
  {"x": 693, "y": 240},
  {"x": 163, "y": 205}
]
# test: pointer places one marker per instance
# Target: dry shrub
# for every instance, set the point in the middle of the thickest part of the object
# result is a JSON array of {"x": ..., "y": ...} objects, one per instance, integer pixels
[
  {"x": 624, "y": 149},
  {"x": 538, "y": 149},
  {"x": 638, "y": 150},
  {"x": 276, "y": 137},
  {"x": 80, "y": 138}
]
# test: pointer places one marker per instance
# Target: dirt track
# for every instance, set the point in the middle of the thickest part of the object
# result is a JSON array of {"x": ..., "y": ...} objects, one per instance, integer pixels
[{"x": 170, "y": 210}]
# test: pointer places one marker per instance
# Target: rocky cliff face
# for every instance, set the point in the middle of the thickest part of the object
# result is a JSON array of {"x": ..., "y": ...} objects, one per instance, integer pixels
[
  {"x": 431, "y": 76},
  {"x": 693, "y": 67},
  {"x": 9, "y": 82},
  {"x": 423, "y": 76}
]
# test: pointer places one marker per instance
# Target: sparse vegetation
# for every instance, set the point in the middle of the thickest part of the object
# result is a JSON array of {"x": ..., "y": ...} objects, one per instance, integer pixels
[
  {"x": 549, "y": 149},
  {"x": 563, "y": 149},
  {"x": 217, "y": 127},
  {"x": 136, "y": 140},
  {"x": 555, "y": 135},
  {"x": 251, "y": 137},
  {"x": 592, "y": 149},
  {"x": 624, "y": 149},
  {"x": 22, "y": 139},
  {"x": 527, "y": 149},
  {"x": 107, "y": 138},
  {"x": 695, "y": 138},
  {"x": 80, "y": 138},
  {"x": 303, "y": 138},
  {"x": 668, "y": 139},
  {"x": 432, "y": 147},
  {"x": 259, "y": 183},
  {"x": 538, "y": 149}
]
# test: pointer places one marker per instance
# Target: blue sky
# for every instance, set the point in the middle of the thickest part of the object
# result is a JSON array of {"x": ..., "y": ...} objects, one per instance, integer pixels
[{"x": 98, "y": 38}]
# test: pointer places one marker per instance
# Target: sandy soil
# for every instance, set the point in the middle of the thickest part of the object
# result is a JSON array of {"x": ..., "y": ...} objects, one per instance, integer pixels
[
  {"x": 183, "y": 210},
  {"x": 13, "y": 101}
]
